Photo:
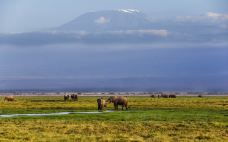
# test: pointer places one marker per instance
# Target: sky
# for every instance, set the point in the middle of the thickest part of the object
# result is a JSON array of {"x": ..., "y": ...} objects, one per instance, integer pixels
[
  {"x": 170, "y": 45},
  {"x": 33, "y": 15}
]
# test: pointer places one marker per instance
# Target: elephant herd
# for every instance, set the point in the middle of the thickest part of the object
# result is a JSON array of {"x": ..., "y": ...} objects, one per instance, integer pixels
[
  {"x": 101, "y": 103},
  {"x": 73, "y": 97},
  {"x": 164, "y": 96}
]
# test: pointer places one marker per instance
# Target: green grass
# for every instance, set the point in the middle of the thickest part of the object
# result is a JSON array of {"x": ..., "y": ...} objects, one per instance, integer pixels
[{"x": 148, "y": 119}]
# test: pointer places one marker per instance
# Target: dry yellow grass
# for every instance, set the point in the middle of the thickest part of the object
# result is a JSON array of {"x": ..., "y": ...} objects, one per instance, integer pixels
[{"x": 149, "y": 119}]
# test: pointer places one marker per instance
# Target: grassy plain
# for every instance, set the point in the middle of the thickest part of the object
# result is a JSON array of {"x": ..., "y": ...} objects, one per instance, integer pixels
[{"x": 148, "y": 119}]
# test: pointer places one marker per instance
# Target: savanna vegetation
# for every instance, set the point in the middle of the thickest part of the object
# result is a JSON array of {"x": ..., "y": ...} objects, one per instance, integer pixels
[{"x": 148, "y": 119}]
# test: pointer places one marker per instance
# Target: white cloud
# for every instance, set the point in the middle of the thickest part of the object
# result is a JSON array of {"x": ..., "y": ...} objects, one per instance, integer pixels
[
  {"x": 102, "y": 20},
  {"x": 211, "y": 16},
  {"x": 220, "y": 16},
  {"x": 150, "y": 32},
  {"x": 162, "y": 33}
]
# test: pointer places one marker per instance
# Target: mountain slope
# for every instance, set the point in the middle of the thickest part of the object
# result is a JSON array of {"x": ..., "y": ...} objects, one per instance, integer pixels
[{"x": 113, "y": 20}]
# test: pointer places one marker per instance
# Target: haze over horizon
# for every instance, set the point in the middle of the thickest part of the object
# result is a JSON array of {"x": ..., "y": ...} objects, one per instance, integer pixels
[{"x": 146, "y": 45}]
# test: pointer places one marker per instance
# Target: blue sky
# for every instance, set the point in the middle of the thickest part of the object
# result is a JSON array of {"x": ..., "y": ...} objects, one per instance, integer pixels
[{"x": 32, "y": 15}]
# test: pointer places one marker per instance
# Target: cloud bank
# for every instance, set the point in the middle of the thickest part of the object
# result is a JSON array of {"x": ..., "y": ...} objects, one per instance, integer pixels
[{"x": 216, "y": 16}]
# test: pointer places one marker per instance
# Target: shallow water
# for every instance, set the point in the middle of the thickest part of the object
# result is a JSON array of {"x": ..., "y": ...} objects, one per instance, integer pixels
[{"x": 54, "y": 114}]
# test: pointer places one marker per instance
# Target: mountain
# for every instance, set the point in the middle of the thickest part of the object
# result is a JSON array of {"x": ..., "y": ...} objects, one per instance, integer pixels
[
  {"x": 128, "y": 26},
  {"x": 111, "y": 20}
]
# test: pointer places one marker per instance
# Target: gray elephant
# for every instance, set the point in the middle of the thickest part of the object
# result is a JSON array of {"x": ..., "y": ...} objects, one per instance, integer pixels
[
  {"x": 163, "y": 96},
  {"x": 172, "y": 96},
  {"x": 9, "y": 98},
  {"x": 74, "y": 97},
  {"x": 118, "y": 100}
]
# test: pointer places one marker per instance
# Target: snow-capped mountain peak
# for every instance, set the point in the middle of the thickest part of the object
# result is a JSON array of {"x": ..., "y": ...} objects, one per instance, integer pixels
[
  {"x": 109, "y": 20},
  {"x": 129, "y": 10}
]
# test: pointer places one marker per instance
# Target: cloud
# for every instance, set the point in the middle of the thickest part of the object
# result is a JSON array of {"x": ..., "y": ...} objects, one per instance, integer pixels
[
  {"x": 148, "y": 32},
  {"x": 41, "y": 38},
  {"x": 161, "y": 33},
  {"x": 102, "y": 20},
  {"x": 219, "y": 16},
  {"x": 209, "y": 16},
  {"x": 191, "y": 19}
]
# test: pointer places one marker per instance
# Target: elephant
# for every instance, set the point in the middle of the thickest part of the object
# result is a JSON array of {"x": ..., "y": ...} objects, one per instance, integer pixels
[
  {"x": 118, "y": 100},
  {"x": 101, "y": 103},
  {"x": 66, "y": 97},
  {"x": 163, "y": 96},
  {"x": 9, "y": 98},
  {"x": 172, "y": 96},
  {"x": 74, "y": 97}
]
